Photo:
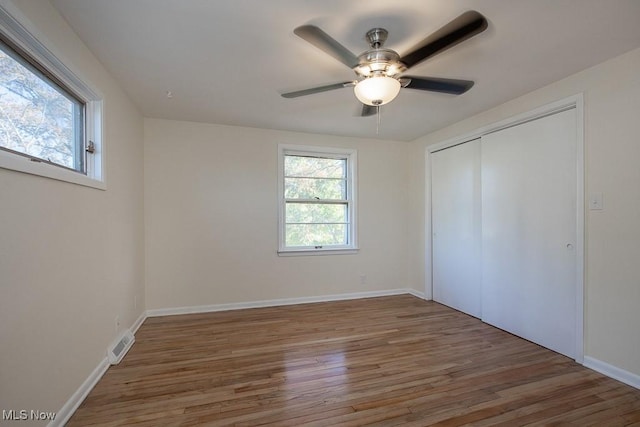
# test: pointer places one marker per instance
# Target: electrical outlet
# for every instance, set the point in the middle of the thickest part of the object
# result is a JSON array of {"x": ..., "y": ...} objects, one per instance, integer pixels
[{"x": 363, "y": 279}]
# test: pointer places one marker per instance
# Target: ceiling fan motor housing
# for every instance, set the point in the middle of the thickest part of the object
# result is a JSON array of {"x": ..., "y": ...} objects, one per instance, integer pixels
[{"x": 378, "y": 61}]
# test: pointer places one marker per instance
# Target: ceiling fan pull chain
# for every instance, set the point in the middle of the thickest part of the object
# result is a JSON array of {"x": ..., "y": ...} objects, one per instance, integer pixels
[{"x": 377, "y": 119}]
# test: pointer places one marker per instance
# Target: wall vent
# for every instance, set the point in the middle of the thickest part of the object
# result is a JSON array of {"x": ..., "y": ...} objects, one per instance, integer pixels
[{"x": 120, "y": 347}]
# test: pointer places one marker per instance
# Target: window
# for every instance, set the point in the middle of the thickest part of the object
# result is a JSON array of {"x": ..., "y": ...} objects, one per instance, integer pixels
[
  {"x": 50, "y": 121},
  {"x": 39, "y": 118},
  {"x": 317, "y": 200}
]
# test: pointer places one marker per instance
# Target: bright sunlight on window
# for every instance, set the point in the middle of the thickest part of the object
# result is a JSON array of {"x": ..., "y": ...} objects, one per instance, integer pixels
[
  {"x": 38, "y": 117},
  {"x": 317, "y": 199},
  {"x": 50, "y": 118}
]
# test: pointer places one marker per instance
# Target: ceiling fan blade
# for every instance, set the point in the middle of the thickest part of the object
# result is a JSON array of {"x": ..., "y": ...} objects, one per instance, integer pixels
[
  {"x": 327, "y": 44},
  {"x": 368, "y": 110},
  {"x": 460, "y": 29},
  {"x": 433, "y": 84},
  {"x": 318, "y": 89}
]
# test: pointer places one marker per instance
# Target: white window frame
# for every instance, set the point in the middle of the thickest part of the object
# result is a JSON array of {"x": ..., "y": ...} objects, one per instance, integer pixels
[
  {"x": 350, "y": 155},
  {"x": 15, "y": 27}
]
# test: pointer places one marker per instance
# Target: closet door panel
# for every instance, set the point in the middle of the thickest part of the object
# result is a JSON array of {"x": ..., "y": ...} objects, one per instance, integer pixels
[
  {"x": 529, "y": 231},
  {"x": 455, "y": 193}
]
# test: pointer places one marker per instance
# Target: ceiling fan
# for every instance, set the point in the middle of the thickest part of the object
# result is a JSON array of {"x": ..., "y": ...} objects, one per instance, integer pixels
[{"x": 379, "y": 70}]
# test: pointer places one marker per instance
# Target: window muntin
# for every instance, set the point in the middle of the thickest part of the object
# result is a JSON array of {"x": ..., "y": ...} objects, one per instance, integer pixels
[
  {"x": 39, "y": 117},
  {"x": 317, "y": 199}
]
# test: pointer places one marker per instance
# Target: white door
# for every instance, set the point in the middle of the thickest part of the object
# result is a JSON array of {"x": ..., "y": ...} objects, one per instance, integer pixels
[
  {"x": 455, "y": 196},
  {"x": 529, "y": 189}
]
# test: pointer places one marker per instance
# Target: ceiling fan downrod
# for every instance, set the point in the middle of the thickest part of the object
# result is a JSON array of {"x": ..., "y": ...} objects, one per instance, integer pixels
[{"x": 377, "y": 37}]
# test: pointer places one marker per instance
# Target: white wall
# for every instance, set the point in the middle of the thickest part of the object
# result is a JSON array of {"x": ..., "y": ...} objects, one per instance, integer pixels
[
  {"x": 612, "y": 150},
  {"x": 71, "y": 257},
  {"x": 211, "y": 218}
]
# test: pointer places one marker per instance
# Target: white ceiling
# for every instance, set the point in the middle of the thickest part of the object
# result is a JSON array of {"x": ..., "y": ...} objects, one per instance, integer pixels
[{"x": 227, "y": 62}]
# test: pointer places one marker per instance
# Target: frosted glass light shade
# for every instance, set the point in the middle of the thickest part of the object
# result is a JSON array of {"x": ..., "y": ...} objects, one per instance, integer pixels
[{"x": 377, "y": 90}]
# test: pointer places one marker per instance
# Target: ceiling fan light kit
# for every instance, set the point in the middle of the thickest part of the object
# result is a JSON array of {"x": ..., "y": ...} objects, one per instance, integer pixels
[
  {"x": 379, "y": 70},
  {"x": 377, "y": 90}
]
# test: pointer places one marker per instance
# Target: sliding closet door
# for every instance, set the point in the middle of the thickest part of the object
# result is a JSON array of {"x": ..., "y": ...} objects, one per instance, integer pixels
[
  {"x": 529, "y": 231},
  {"x": 455, "y": 195}
]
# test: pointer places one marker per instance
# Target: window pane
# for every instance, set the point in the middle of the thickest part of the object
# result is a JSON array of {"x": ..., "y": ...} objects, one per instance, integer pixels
[
  {"x": 315, "y": 167},
  {"x": 315, "y": 234},
  {"x": 313, "y": 188},
  {"x": 316, "y": 213},
  {"x": 36, "y": 117}
]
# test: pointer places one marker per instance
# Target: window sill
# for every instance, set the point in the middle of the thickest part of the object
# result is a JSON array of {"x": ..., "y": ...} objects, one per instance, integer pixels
[
  {"x": 22, "y": 164},
  {"x": 316, "y": 252}
]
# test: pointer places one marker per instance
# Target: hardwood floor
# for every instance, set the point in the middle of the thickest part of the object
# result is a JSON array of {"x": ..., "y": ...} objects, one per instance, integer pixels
[{"x": 384, "y": 361}]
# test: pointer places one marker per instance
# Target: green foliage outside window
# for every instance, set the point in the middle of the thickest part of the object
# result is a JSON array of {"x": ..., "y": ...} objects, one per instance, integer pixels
[{"x": 316, "y": 206}]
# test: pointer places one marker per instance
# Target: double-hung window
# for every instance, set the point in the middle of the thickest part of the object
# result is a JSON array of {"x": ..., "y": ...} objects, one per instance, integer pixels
[
  {"x": 49, "y": 119},
  {"x": 317, "y": 199}
]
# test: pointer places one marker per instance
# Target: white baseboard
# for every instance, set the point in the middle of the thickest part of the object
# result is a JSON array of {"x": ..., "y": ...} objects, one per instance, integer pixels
[
  {"x": 417, "y": 294},
  {"x": 277, "y": 302},
  {"x": 139, "y": 321},
  {"x": 78, "y": 397},
  {"x": 614, "y": 372}
]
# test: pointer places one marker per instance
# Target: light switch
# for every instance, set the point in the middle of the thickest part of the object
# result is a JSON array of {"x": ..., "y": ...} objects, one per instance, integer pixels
[{"x": 596, "y": 202}]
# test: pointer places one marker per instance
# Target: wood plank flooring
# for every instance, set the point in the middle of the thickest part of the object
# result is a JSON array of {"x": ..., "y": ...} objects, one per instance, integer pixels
[{"x": 383, "y": 361}]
